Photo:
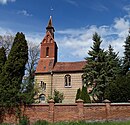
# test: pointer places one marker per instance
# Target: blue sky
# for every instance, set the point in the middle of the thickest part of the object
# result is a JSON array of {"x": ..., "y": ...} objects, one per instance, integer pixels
[{"x": 75, "y": 22}]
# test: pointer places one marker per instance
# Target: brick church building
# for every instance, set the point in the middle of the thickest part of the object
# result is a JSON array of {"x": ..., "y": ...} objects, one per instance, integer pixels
[{"x": 50, "y": 74}]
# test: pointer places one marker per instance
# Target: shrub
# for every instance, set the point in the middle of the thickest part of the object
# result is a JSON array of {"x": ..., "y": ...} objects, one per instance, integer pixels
[
  {"x": 58, "y": 96},
  {"x": 78, "y": 95},
  {"x": 41, "y": 122},
  {"x": 24, "y": 121}
]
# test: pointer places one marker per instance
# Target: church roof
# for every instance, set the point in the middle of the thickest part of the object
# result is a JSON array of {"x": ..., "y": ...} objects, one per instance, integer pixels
[
  {"x": 69, "y": 66},
  {"x": 50, "y": 22},
  {"x": 45, "y": 65}
]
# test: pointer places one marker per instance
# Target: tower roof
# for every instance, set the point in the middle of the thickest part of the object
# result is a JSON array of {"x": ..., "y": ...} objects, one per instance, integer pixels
[
  {"x": 50, "y": 23},
  {"x": 50, "y": 27}
]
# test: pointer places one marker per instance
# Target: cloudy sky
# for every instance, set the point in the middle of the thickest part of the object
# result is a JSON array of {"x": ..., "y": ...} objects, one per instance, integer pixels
[{"x": 75, "y": 22}]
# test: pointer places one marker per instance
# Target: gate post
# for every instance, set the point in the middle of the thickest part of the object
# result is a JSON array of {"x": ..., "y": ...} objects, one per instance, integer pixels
[
  {"x": 51, "y": 110},
  {"x": 108, "y": 107},
  {"x": 80, "y": 107}
]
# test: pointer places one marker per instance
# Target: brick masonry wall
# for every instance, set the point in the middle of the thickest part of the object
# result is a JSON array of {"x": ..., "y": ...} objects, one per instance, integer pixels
[
  {"x": 95, "y": 111},
  {"x": 72, "y": 112},
  {"x": 65, "y": 112}
]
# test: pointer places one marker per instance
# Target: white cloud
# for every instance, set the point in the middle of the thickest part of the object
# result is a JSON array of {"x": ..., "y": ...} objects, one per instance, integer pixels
[
  {"x": 99, "y": 7},
  {"x": 121, "y": 24},
  {"x": 79, "y": 41},
  {"x": 4, "y": 31},
  {"x": 24, "y": 12},
  {"x": 72, "y": 2},
  {"x": 35, "y": 38},
  {"x": 5, "y": 1},
  {"x": 75, "y": 43},
  {"x": 127, "y": 8}
]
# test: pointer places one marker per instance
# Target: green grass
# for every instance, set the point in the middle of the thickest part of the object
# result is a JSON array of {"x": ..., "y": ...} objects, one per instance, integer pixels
[
  {"x": 40, "y": 122},
  {"x": 94, "y": 123}
]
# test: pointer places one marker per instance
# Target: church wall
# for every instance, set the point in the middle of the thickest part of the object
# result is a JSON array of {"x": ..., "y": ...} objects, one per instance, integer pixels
[
  {"x": 46, "y": 78},
  {"x": 69, "y": 92}
]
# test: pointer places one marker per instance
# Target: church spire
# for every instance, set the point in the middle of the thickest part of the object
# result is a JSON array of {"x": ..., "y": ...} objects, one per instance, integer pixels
[
  {"x": 50, "y": 22},
  {"x": 50, "y": 27}
]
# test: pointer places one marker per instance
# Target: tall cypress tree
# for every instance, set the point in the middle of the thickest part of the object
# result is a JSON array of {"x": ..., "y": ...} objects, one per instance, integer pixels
[
  {"x": 94, "y": 71},
  {"x": 2, "y": 62},
  {"x": 2, "y": 58},
  {"x": 126, "y": 59},
  {"x": 13, "y": 72}
]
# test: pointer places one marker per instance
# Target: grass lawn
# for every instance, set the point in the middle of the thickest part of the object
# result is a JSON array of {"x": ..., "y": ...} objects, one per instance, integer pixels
[
  {"x": 77, "y": 123},
  {"x": 95, "y": 123}
]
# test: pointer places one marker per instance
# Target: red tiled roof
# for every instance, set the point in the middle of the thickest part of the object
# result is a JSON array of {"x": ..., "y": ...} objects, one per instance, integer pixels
[
  {"x": 69, "y": 66},
  {"x": 45, "y": 65}
]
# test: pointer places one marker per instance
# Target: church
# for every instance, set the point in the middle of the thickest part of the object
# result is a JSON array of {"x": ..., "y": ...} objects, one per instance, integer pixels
[{"x": 50, "y": 75}]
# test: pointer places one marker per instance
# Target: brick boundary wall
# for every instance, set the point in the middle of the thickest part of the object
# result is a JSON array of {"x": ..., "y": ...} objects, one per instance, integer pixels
[{"x": 52, "y": 112}]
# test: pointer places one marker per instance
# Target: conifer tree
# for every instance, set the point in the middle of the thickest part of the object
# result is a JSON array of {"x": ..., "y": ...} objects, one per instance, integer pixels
[
  {"x": 78, "y": 94},
  {"x": 84, "y": 95},
  {"x": 118, "y": 90},
  {"x": 95, "y": 72},
  {"x": 126, "y": 59},
  {"x": 28, "y": 89},
  {"x": 2, "y": 58},
  {"x": 113, "y": 67},
  {"x": 13, "y": 72}
]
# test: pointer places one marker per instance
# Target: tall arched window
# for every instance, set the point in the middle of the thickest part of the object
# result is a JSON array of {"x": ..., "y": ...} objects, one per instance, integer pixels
[
  {"x": 47, "y": 51},
  {"x": 43, "y": 85},
  {"x": 67, "y": 81}
]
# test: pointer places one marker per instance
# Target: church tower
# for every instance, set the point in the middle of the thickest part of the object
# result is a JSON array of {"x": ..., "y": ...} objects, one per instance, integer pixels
[
  {"x": 51, "y": 75},
  {"x": 48, "y": 50}
]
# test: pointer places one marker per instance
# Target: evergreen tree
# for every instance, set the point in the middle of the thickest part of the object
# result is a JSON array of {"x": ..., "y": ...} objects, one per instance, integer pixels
[
  {"x": 118, "y": 90},
  {"x": 2, "y": 62},
  {"x": 28, "y": 89},
  {"x": 78, "y": 94},
  {"x": 58, "y": 96},
  {"x": 126, "y": 59},
  {"x": 13, "y": 72},
  {"x": 95, "y": 69},
  {"x": 84, "y": 95},
  {"x": 2, "y": 58},
  {"x": 113, "y": 69},
  {"x": 113, "y": 66}
]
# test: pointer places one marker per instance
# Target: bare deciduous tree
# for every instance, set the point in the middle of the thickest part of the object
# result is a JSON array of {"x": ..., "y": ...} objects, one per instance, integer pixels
[
  {"x": 33, "y": 52},
  {"x": 6, "y": 41}
]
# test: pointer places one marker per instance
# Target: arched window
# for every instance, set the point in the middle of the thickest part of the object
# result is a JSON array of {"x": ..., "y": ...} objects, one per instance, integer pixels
[
  {"x": 42, "y": 98},
  {"x": 47, "y": 51},
  {"x": 43, "y": 85},
  {"x": 67, "y": 81}
]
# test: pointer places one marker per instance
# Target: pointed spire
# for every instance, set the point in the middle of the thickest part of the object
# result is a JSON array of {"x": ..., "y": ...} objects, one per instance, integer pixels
[
  {"x": 50, "y": 27},
  {"x": 50, "y": 22}
]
